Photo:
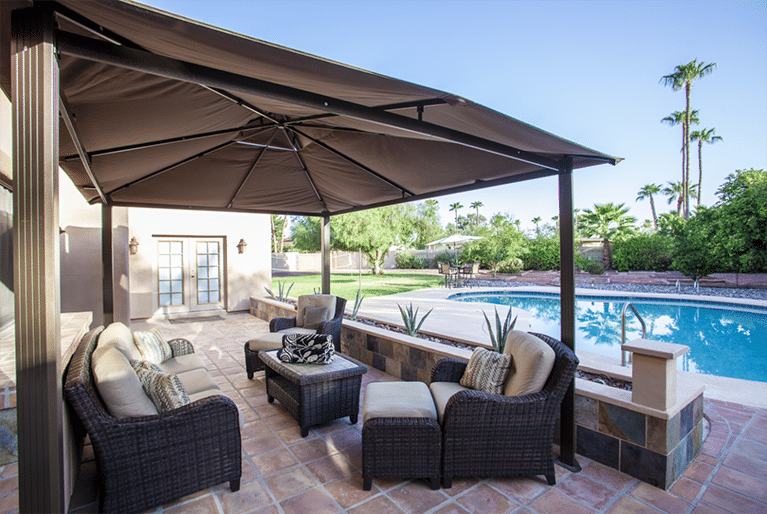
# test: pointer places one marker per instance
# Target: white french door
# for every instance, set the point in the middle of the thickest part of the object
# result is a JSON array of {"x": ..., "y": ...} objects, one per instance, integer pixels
[{"x": 190, "y": 274}]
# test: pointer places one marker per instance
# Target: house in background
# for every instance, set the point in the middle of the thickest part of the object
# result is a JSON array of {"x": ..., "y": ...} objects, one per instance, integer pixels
[{"x": 166, "y": 262}]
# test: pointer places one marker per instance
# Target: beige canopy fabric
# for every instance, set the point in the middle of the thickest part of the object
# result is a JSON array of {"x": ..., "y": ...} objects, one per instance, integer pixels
[{"x": 170, "y": 112}]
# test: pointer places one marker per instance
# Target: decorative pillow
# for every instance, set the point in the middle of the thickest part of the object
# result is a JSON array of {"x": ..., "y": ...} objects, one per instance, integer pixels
[
  {"x": 486, "y": 371},
  {"x": 118, "y": 385},
  {"x": 166, "y": 391},
  {"x": 533, "y": 361},
  {"x": 313, "y": 316},
  {"x": 306, "y": 349},
  {"x": 137, "y": 365},
  {"x": 152, "y": 346},
  {"x": 313, "y": 300}
]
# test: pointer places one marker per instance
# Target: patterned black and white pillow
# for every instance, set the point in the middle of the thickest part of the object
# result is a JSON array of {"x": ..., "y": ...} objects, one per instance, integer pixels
[
  {"x": 306, "y": 349},
  {"x": 153, "y": 346},
  {"x": 486, "y": 371},
  {"x": 166, "y": 391}
]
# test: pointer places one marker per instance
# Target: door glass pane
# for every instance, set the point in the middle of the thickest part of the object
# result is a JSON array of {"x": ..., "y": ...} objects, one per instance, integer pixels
[
  {"x": 170, "y": 267},
  {"x": 208, "y": 291}
]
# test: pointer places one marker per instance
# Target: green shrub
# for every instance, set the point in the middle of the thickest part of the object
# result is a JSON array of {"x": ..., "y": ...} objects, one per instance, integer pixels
[
  {"x": 542, "y": 253},
  {"x": 444, "y": 256},
  {"x": 643, "y": 252},
  {"x": 407, "y": 260},
  {"x": 593, "y": 267},
  {"x": 511, "y": 266}
]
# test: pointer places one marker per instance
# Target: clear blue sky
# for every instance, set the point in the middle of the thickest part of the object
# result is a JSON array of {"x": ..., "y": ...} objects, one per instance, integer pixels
[{"x": 583, "y": 70}]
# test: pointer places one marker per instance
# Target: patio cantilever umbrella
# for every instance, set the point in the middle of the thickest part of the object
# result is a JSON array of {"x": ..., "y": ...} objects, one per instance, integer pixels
[{"x": 454, "y": 239}]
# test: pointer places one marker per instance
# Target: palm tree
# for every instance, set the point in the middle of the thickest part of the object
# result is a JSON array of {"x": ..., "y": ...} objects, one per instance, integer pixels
[
  {"x": 646, "y": 192},
  {"x": 677, "y": 118},
  {"x": 477, "y": 205},
  {"x": 537, "y": 220},
  {"x": 674, "y": 192},
  {"x": 703, "y": 136},
  {"x": 607, "y": 221},
  {"x": 454, "y": 207},
  {"x": 682, "y": 77}
]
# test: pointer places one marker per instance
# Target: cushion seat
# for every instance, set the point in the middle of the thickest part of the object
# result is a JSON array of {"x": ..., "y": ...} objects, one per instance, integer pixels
[
  {"x": 441, "y": 392},
  {"x": 298, "y": 330},
  {"x": 182, "y": 363},
  {"x": 400, "y": 436},
  {"x": 197, "y": 380},
  {"x": 398, "y": 400},
  {"x": 267, "y": 341}
]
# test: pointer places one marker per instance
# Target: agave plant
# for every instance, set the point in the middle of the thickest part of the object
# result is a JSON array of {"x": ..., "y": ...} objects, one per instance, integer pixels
[
  {"x": 282, "y": 294},
  {"x": 502, "y": 329},
  {"x": 410, "y": 318},
  {"x": 357, "y": 303}
]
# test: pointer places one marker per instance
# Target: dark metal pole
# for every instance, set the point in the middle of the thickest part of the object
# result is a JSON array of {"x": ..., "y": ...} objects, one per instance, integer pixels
[
  {"x": 325, "y": 246},
  {"x": 107, "y": 264},
  {"x": 36, "y": 258},
  {"x": 567, "y": 437}
]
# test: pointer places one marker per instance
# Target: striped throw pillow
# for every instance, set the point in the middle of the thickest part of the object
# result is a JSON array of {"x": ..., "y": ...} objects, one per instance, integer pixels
[
  {"x": 153, "y": 346},
  {"x": 486, "y": 371},
  {"x": 166, "y": 391}
]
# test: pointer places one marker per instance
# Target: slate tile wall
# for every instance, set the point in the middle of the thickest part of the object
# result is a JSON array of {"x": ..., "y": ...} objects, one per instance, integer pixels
[{"x": 654, "y": 450}]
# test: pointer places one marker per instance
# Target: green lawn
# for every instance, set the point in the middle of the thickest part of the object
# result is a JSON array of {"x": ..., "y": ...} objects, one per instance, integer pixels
[{"x": 346, "y": 285}]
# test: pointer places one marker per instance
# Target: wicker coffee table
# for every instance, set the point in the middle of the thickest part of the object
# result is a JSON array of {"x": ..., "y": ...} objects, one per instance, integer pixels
[{"x": 314, "y": 393}]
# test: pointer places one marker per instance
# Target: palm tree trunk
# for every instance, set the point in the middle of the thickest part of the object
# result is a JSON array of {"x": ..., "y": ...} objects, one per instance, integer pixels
[
  {"x": 274, "y": 236},
  {"x": 606, "y": 254},
  {"x": 686, "y": 188},
  {"x": 700, "y": 167},
  {"x": 654, "y": 217}
]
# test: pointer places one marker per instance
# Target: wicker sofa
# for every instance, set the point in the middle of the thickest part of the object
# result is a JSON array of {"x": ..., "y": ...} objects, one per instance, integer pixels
[
  {"x": 486, "y": 434},
  {"x": 145, "y": 461}
]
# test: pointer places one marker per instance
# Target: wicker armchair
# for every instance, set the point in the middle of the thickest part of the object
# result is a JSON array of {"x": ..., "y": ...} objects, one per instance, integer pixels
[
  {"x": 487, "y": 434},
  {"x": 148, "y": 461},
  {"x": 331, "y": 327}
]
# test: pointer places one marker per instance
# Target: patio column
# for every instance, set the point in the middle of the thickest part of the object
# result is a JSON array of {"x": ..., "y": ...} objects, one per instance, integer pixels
[
  {"x": 35, "y": 84},
  {"x": 325, "y": 246},
  {"x": 107, "y": 264},
  {"x": 567, "y": 436}
]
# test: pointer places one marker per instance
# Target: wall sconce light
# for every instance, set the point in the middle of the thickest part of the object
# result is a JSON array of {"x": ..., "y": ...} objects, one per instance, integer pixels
[
  {"x": 133, "y": 246},
  {"x": 241, "y": 246}
]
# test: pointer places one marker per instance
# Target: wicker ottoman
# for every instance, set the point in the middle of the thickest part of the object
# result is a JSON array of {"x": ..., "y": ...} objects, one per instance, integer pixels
[
  {"x": 401, "y": 437},
  {"x": 268, "y": 341}
]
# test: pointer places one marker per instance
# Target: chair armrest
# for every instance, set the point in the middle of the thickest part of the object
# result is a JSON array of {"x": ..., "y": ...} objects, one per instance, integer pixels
[
  {"x": 448, "y": 370},
  {"x": 277, "y": 324},
  {"x": 181, "y": 346},
  {"x": 472, "y": 408},
  {"x": 331, "y": 326}
]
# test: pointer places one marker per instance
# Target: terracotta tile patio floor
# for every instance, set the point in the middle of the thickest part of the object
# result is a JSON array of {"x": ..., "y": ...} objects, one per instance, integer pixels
[{"x": 284, "y": 473}]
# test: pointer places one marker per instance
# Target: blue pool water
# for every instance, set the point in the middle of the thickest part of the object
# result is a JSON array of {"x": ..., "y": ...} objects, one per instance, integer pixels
[{"x": 726, "y": 340}]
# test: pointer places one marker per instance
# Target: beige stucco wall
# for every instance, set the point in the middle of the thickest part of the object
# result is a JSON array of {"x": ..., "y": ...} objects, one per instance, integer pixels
[
  {"x": 81, "y": 275},
  {"x": 247, "y": 274}
]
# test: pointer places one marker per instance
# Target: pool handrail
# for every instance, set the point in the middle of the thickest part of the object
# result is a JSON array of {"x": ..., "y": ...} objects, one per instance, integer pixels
[{"x": 623, "y": 329}]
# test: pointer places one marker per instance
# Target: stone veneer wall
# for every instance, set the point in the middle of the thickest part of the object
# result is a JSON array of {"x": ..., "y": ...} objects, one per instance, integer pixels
[
  {"x": 641, "y": 444},
  {"x": 645, "y": 446}
]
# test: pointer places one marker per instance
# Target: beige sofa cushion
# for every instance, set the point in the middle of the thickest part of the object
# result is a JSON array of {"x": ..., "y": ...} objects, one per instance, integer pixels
[
  {"x": 119, "y": 336},
  {"x": 398, "y": 400},
  {"x": 531, "y": 364},
  {"x": 176, "y": 365},
  {"x": 314, "y": 300},
  {"x": 118, "y": 385},
  {"x": 197, "y": 380},
  {"x": 441, "y": 393}
]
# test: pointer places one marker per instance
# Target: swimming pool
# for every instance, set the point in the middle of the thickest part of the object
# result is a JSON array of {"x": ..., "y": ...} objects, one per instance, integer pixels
[{"x": 725, "y": 339}]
